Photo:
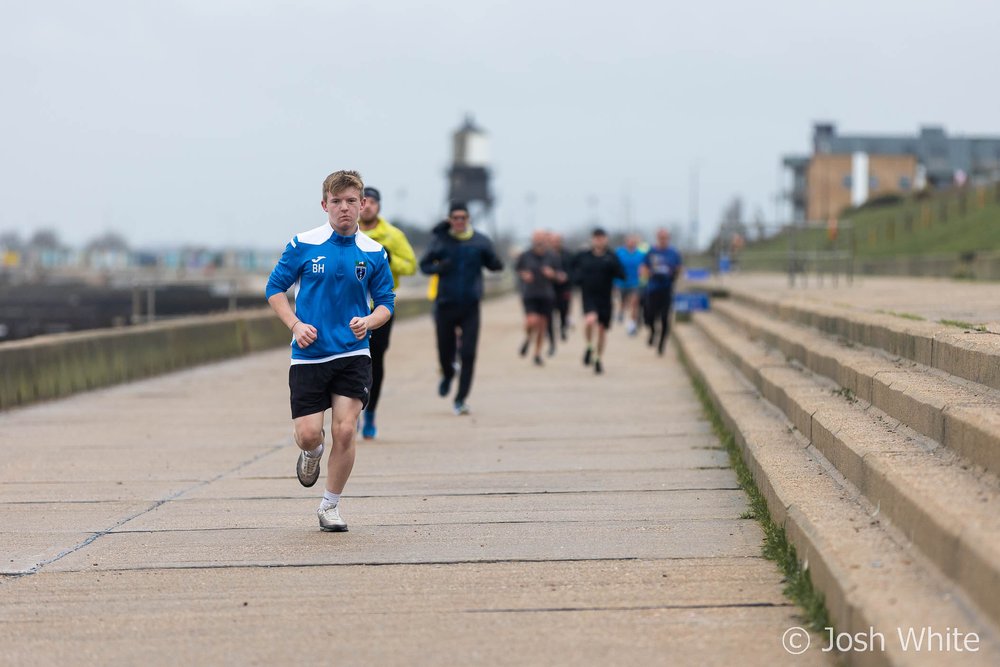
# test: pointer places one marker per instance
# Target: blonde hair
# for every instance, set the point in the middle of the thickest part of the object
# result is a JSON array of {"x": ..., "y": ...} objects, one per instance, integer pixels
[{"x": 339, "y": 181}]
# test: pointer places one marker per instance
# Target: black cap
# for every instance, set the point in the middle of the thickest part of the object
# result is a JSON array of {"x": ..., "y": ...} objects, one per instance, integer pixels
[
  {"x": 598, "y": 231},
  {"x": 457, "y": 206},
  {"x": 372, "y": 193}
]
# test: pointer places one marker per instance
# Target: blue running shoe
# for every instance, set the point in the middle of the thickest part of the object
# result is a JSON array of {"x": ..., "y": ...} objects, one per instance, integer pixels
[{"x": 368, "y": 431}]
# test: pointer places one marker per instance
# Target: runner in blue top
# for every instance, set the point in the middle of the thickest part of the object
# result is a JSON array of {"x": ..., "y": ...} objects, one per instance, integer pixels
[
  {"x": 631, "y": 258},
  {"x": 335, "y": 269},
  {"x": 662, "y": 267}
]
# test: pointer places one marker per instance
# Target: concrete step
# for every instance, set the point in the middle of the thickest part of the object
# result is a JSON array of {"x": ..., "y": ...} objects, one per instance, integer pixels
[
  {"x": 972, "y": 355},
  {"x": 960, "y": 414},
  {"x": 947, "y": 508},
  {"x": 866, "y": 568}
]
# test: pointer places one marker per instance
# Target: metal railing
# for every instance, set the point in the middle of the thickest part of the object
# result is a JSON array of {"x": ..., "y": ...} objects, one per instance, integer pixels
[
  {"x": 832, "y": 258},
  {"x": 825, "y": 251}
]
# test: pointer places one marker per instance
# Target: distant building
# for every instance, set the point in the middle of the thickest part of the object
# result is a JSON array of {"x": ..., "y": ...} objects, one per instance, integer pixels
[
  {"x": 45, "y": 251},
  {"x": 108, "y": 251},
  {"x": 469, "y": 175},
  {"x": 846, "y": 170}
]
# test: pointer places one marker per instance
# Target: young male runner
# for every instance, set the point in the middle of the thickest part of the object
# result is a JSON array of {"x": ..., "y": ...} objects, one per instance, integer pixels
[
  {"x": 335, "y": 269},
  {"x": 595, "y": 271},
  {"x": 457, "y": 255},
  {"x": 402, "y": 262}
]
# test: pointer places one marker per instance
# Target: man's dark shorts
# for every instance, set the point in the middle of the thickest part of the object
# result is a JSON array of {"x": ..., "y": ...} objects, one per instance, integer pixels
[
  {"x": 537, "y": 306},
  {"x": 599, "y": 305},
  {"x": 313, "y": 385}
]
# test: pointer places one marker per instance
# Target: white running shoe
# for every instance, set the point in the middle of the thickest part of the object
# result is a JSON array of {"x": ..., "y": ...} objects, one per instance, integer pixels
[
  {"x": 307, "y": 467},
  {"x": 330, "y": 521}
]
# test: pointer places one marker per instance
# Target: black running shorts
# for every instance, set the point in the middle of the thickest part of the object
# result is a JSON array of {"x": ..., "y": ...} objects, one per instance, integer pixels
[
  {"x": 538, "y": 306},
  {"x": 313, "y": 385},
  {"x": 599, "y": 305}
]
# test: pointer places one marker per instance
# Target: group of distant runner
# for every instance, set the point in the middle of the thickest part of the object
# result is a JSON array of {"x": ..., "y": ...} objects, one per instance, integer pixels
[
  {"x": 644, "y": 279},
  {"x": 345, "y": 273}
]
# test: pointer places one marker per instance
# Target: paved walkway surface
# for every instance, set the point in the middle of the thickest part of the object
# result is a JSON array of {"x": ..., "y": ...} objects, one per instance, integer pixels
[
  {"x": 571, "y": 519},
  {"x": 932, "y": 299}
]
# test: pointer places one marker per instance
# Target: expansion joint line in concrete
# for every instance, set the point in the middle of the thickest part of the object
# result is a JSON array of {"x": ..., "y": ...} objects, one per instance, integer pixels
[
  {"x": 417, "y": 495},
  {"x": 405, "y": 563},
  {"x": 424, "y": 524},
  {"x": 653, "y": 607},
  {"x": 486, "y": 494},
  {"x": 121, "y": 522}
]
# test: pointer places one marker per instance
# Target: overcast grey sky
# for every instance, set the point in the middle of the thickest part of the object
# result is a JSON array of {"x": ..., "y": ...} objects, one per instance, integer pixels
[{"x": 215, "y": 121}]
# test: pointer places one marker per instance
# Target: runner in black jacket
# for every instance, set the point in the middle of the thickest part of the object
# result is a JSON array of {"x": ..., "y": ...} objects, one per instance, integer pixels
[
  {"x": 458, "y": 254},
  {"x": 595, "y": 271}
]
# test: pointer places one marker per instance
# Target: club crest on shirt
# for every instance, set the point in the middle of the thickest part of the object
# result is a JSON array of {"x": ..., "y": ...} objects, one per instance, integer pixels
[{"x": 360, "y": 270}]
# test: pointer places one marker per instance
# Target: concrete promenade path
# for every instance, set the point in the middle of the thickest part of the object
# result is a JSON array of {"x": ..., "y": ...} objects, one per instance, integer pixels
[{"x": 570, "y": 520}]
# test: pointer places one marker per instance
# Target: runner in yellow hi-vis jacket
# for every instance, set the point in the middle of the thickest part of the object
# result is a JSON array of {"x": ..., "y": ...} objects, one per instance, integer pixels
[{"x": 402, "y": 262}]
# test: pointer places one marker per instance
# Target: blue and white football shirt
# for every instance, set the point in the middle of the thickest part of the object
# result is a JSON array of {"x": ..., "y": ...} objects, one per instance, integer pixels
[{"x": 336, "y": 278}]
